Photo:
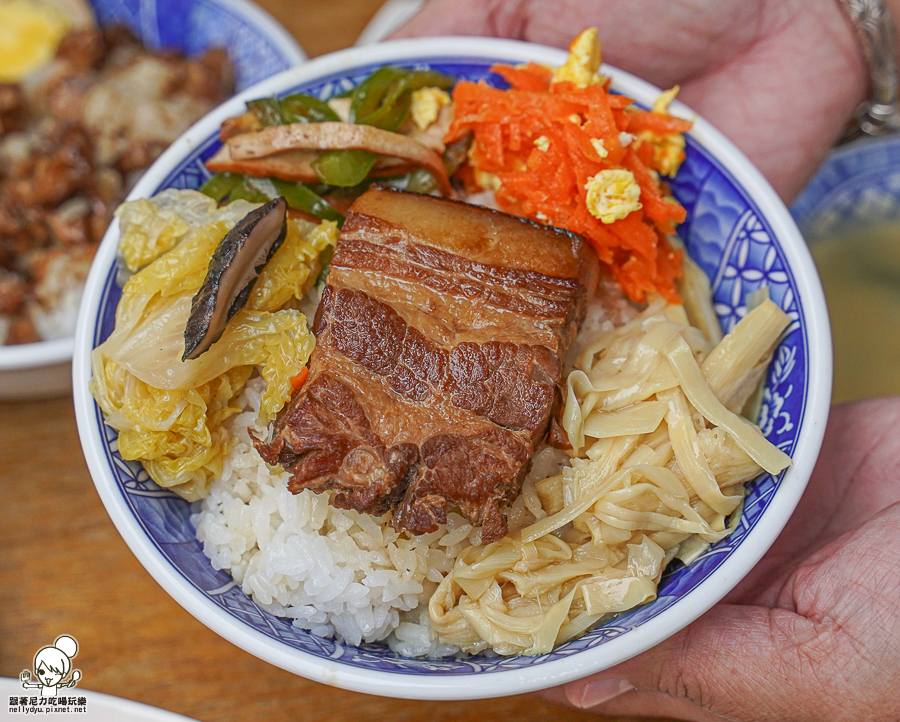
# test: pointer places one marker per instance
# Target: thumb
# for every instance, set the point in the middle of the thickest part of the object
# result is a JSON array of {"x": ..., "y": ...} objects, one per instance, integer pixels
[{"x": 738, "y": 662}]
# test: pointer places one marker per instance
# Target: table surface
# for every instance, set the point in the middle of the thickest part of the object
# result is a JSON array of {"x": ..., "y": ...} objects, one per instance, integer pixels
[{"x": 66, "y": 570}]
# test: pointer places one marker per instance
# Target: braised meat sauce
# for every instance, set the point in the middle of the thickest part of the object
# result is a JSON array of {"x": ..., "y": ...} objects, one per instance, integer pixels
[
  {"x": 439, "y": 340},
  {"x": 73, "y": 140}
]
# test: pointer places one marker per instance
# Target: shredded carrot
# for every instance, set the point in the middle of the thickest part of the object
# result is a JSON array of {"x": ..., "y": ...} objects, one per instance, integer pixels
[
  {"x": 527, "y": 77},
  {"x": 538, "y": 143},
  {"x": 298, "y": 379},
  {"x": 656, "y": 122}
]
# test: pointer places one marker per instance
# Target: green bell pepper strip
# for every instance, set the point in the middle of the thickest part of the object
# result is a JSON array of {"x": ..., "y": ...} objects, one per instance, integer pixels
[
  {"x": 392, "y": 114},
  {"x": 344, "y": 168},
  {"x": 253, "y": 190},
  {"x": 383, "y": 99},
  {"x": 369, "y": 95},
  {"x": 420, "y": 181},
  {"x": 301, "y": 108},
  {"x": 297, "y": 195},
  {"x": 302, "y": 198},
  {"x": 267, "y": 111},
  {"x": 219, "y": 185}
]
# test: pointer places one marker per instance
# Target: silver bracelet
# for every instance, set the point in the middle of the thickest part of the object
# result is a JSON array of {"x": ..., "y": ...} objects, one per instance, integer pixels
[{"x": 874, "y": 30}]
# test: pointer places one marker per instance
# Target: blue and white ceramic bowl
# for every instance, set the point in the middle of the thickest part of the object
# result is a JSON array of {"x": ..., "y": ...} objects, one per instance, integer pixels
[
  {"x": 857, "y": 185},
  {"x": 737, "y": 229},
  {"x": 259, "y": 48},
  {"x": 849, "y": 214}
]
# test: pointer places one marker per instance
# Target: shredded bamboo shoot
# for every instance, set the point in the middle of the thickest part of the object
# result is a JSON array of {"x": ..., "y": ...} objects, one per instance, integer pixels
[{"x": 656, "y": 471}]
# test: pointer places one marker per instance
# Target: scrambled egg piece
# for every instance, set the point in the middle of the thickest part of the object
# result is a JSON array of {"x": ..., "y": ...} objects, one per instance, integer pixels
[
  {"x": 426, "y": 104},
  {"x": 483, "y": 179},
  {"x": 668, "y": 148},
  {"x": 30, "y": 31},
  {"x": 599, "y": 147},
  {"x": 542, "y": 143},
  {"x": 661, "y": 105},
  {"x": 612, "y": 195},
  {"x": 29, "y": 34},
  {"x": 487, "y": 181},
  {"x": 583, "y": 62}
]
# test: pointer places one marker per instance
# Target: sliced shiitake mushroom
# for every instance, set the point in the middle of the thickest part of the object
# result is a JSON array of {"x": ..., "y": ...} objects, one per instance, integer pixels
[{"x": 233, "y": 269}]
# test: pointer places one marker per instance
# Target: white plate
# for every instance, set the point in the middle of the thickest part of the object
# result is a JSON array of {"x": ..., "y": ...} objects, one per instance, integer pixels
[
  {"x": 392, "y": 16},
  {"x": 100, "y": 707}
]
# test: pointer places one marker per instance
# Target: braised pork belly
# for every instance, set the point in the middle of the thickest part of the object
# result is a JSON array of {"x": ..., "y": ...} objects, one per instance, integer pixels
[{"x": 439, "y": 341}]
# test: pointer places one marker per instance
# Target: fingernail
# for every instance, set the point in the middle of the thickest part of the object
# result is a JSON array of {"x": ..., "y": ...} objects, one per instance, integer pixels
[{"x": 598, "y": 691}]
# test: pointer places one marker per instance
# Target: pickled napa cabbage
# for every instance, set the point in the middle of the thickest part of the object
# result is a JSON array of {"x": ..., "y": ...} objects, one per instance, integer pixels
[{"x": 170, "y": 413}]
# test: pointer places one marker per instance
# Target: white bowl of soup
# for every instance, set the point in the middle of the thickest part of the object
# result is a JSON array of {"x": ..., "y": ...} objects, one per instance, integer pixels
[{"x": 850, "y": 215}]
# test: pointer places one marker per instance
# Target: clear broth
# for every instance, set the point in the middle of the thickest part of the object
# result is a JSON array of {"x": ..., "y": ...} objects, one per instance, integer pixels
[{"x": 860, "y": 271}]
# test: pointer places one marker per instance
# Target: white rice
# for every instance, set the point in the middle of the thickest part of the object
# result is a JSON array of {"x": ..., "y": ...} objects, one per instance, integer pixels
[
  {"x": 58, "y": 320},
  {"x": 333, "y": 572}
]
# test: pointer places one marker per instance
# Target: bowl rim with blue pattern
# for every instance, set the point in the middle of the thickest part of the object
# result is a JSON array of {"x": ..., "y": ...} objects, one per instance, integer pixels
[
  {"x": 737, "y": 229},
  {"x": 858, "y": 184},
  {"x": 259, "y": 46}
]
